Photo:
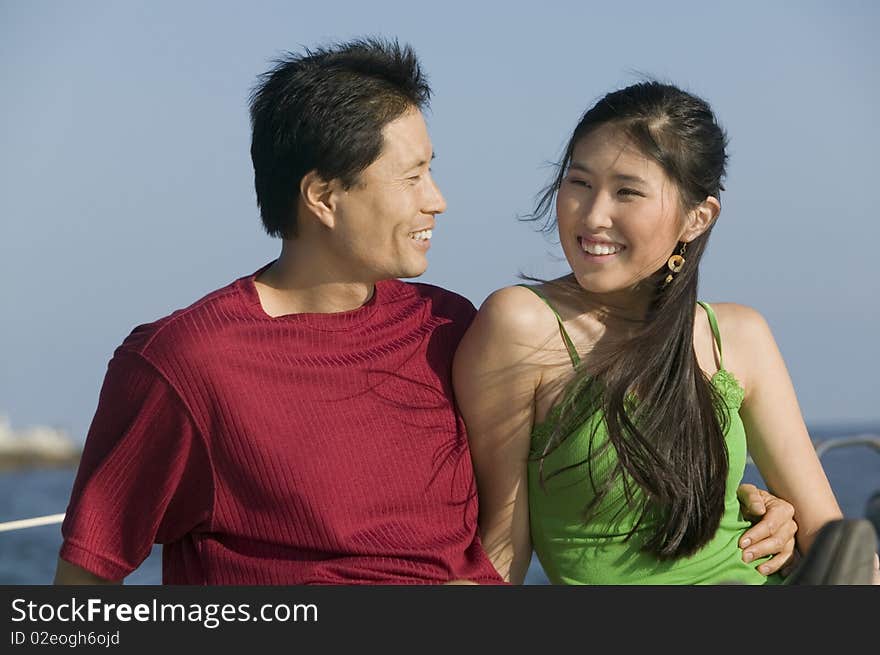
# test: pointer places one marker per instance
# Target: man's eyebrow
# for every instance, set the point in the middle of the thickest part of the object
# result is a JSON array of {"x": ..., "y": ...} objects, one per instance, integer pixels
[
  {"x": 619, "y": 176},
  {"x": 420, "y": 163}
]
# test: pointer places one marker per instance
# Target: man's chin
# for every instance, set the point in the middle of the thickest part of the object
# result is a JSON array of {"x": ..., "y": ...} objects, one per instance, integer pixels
[{"x": 413, "y": 271}]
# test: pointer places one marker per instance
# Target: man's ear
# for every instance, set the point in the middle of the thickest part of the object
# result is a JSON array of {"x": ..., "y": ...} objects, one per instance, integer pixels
[
  {"x": 317, "y": 197},
  {"x": 700, "y": 219}
]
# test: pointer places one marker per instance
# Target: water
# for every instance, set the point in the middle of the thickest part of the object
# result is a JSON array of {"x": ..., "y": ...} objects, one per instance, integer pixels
[{"x": 29, "y": 556}]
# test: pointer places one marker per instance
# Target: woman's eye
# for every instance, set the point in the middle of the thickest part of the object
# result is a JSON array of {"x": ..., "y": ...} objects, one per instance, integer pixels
[
  {"x": 578, "y": 183},
  {"x": 630, "y": 192}
]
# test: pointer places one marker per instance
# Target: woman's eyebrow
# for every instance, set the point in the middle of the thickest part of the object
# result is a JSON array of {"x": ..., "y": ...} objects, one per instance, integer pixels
[{"x": 578, "y": 166}]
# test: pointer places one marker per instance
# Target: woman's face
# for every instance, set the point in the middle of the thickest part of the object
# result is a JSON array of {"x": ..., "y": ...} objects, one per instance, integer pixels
[{"x": 619, "y": 215}]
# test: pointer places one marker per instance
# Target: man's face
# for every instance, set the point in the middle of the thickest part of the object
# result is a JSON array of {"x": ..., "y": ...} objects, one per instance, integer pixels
[{"x": 384, "y": 221}]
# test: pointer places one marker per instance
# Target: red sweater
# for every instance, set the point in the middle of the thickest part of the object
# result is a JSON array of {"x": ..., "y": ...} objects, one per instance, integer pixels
[{"x": 309, "y": 448}]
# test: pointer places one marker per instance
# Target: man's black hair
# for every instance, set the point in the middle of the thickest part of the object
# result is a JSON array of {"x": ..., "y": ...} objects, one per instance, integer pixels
[{"x": 324, "y": 110}]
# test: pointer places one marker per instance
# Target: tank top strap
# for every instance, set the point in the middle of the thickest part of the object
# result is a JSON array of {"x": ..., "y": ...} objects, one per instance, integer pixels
[
  {"x": 569, "y": 344},
  {"x": 713, "y": 323}
]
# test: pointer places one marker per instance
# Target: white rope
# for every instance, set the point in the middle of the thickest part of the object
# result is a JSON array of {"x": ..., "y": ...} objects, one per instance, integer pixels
[{"x": 31, "y": 523}]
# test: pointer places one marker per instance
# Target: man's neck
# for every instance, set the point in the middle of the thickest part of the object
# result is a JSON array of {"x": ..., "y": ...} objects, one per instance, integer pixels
[{"x": 298, "y": 284}]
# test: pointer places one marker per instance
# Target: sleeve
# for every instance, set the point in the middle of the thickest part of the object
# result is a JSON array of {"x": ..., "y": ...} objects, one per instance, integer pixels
[{"x": 144, "y": 477}]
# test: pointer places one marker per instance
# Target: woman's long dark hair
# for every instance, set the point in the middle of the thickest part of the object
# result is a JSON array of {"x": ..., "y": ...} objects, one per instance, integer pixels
[{"x": 671, "y": 454}]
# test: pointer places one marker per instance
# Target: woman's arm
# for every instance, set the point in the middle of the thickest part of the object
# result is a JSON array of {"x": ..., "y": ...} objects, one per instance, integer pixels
[
  {"x": 777, "y": 436},
  {"x": 495, "y": 380}
]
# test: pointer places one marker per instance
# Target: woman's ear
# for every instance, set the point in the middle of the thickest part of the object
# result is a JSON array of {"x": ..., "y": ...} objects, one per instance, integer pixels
[{"x": 700, "y": 219}]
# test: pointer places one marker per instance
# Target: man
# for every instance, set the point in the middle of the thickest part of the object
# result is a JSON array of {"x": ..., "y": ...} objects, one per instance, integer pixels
[{"x": 297, "y": 426}]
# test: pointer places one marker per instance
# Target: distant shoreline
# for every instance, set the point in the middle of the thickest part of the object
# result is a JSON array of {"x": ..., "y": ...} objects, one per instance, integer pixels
[
  {"x": 37, "y": 447},
  {"x": 22, "y": 461}
]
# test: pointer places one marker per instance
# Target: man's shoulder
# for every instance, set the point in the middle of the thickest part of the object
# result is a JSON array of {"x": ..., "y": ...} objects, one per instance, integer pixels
[
  {"x": 185, "y": 328},
  {"x": 442, "y": 300}
]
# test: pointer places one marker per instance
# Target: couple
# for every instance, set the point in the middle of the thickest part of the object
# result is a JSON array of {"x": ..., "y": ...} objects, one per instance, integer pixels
[{"x": 298, "y": 426}]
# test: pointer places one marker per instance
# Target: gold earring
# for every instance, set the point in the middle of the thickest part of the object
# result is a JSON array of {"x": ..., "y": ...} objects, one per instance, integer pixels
[{"x": 675, "y": 263}]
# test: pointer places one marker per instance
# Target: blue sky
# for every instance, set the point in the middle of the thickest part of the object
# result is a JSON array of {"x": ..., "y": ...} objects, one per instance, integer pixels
[{"x": 126, "y": 187}]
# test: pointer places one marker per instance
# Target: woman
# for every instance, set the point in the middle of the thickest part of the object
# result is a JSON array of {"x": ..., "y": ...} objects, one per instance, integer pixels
[{"x": 609, "y": 412}]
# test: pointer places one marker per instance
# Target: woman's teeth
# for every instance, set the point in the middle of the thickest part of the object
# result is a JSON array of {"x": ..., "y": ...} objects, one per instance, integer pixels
[{"x": 600, "y": 248}]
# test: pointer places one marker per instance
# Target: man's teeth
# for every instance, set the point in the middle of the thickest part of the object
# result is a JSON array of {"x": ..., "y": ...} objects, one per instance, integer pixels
[
  {"x": 422, "y": 235},
  {"x": 600, "y": 248}
]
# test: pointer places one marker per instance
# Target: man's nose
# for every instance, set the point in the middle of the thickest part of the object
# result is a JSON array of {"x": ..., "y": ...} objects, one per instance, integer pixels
[{"x": 435, "y": 203}]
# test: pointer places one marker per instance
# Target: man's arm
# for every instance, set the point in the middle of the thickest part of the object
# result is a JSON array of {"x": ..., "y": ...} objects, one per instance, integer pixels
[
  {"x": 144, "y": 477},
  {"x": 71, "y": 574},
  {"x": 772, "y": 532}
]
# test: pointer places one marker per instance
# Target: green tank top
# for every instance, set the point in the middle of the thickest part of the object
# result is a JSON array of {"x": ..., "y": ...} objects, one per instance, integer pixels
[{"x": 572, "y": 552}]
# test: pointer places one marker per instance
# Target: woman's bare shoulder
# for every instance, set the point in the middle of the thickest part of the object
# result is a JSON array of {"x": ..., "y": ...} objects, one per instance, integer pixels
[
  {"x": 518, "y": 312},
  {"x": 739, "y": 321},
  {"x": 745, "y": 336}
]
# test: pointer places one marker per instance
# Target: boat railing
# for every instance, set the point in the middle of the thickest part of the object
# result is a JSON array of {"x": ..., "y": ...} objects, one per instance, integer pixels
[
  {"x": 822, "y": 446},
  {"x": 871, "y": 440}
]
